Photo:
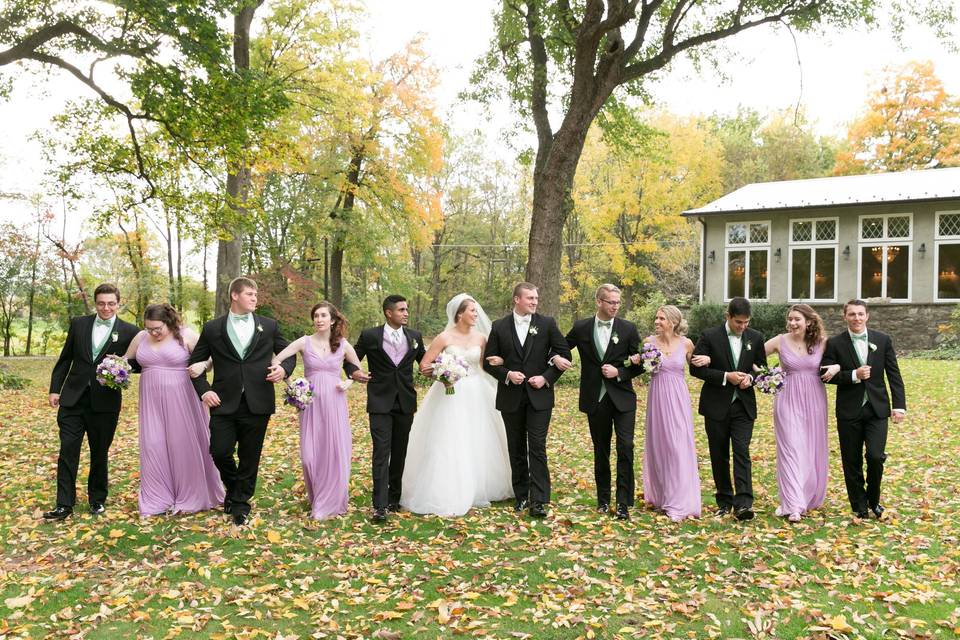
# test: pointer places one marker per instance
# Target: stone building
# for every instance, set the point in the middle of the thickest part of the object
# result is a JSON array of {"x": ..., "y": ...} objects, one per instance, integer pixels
[{"x": 892, "y": 239}]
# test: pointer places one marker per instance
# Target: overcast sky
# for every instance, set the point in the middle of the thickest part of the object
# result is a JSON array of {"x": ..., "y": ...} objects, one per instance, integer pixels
[{"x": 833, "y": 76}]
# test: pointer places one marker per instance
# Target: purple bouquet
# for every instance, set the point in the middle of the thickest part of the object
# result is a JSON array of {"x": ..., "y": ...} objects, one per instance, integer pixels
[
  {"x": 650, "y": 357},
  {"x": 113, "y": 372},
  {"x": 299, "y": 393},
  {"x": 449, "y": 368},
  {"x": 769, "y": 380}
]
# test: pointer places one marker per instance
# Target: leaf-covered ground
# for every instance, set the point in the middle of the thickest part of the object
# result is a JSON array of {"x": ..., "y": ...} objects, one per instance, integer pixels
[{"x": 491, "y": 573}]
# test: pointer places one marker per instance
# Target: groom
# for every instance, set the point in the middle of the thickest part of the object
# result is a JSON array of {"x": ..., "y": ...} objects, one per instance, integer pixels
[
  {"x": 241, "y": 399},
  {"x": 524, "y": 340},
  {"x": 391, "y": 350},
  {"x": 863, "y": 405},
  {"x": 83, "y": 405}
]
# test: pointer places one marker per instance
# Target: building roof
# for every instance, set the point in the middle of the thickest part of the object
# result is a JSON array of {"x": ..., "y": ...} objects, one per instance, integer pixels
[{"x": 903, "y": 186}]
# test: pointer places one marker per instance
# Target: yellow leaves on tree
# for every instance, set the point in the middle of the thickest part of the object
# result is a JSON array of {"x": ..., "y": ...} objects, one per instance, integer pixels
[{"x": 910, "y": 122}]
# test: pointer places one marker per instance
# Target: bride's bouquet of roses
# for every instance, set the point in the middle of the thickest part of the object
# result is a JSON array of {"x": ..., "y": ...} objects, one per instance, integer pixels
[
  {"x": 449, "y": 368},
  {"x": 113, "y": 372},
  {"x": 650, "y": 358},
  {"x": 769, "y": 380},
  {"x": 300, "y": 393}
]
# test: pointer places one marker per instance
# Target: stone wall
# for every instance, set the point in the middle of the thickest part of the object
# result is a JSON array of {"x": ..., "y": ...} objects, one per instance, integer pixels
[{"x": 912, "y": 326}]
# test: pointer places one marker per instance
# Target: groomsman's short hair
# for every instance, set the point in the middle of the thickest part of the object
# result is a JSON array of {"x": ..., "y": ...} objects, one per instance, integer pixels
[
  {"x": 856, "y": 302},
  {"x": 237, "y": 285},
  {"x": 392, "y": 300},
  {"x": 738, "y": 307},
  {"x": 523, "y": 286},
  {"x": 607, "y": 288},
  {"x": 106, "y": 288}
]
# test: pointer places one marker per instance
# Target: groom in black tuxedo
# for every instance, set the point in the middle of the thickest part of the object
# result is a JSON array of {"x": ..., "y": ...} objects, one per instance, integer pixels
[
  {"x": 391, "y": 350},
  {"x": 83, "y": 405},
  {"x": 525, "y": 340},
  {"x": 863, "y": 405},
  {"x": 241, "y": 399},
  {"x": 604, "y": 343},
  {"x": 728, "y": 404}
]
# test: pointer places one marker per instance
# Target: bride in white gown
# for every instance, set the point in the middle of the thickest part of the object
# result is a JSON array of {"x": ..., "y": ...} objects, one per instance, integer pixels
[{"x": 457, "y": 455}]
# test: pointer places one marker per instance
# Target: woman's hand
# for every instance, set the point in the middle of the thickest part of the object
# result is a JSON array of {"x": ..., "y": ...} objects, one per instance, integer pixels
[
  {"x": 343, "y": 385},
  {"x": 494, "y": 361},
  {"x": 700, "y": 360}
]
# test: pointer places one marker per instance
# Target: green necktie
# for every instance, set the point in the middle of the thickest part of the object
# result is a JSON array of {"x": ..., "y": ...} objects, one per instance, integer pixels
[
  {"x": 735, "y": 359},
  {"x": 98, "y": 347}
]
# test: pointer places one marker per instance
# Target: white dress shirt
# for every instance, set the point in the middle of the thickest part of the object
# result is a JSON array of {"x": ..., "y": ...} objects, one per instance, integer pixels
[
  {"x": 522, "y": 324},
  {"x": 101, "y": 331}
]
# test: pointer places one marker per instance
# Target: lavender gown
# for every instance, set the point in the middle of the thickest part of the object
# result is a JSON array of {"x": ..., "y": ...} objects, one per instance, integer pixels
[
  {"x": 177, "y": 473},
  {"x": 800, "y": 424},
  {"x": 671, "y": 481},
  {"x": 325, "y": 446}
]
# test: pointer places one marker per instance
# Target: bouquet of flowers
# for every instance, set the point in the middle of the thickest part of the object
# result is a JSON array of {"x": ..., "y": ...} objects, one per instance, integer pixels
[
  {"x": 769, "y": 380},
  {"x": 113, "y": 372},
  {"x": 449, "y": 368},
  {"x": 299, "y": 393},
  {"x": 650, "y": 357}
]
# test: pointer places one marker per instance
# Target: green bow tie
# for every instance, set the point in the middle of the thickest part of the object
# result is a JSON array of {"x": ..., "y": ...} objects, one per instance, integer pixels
[
  {"x": 238, "y": 317},
  {"x": 861, "y": 337},
  {"x": 100, "y": 322},
  {"x": 604, "y": 323}
]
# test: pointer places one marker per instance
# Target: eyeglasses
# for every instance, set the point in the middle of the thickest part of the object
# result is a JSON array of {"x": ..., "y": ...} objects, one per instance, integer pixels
[
  {"x": 155, "y": 331},
  {"x": 612, "y": 303}
]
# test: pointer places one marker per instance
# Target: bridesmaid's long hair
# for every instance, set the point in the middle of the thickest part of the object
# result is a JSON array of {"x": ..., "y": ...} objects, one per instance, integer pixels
[
  {"x": 163, "y": 312},
  {"x": 338, "y": 323},
  {"x": 675, "y": 318},
  {"x": 815, "y": 333}
]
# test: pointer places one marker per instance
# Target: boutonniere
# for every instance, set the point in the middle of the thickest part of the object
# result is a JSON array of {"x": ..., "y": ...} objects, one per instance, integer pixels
[
  {"x": 115, "y": 336},
  {"x": 749, "y": 347},
  {"x": 614, "y": 338},
  {"x": 532, "y": 331},
  {"x": 416, "y": 345},
  {"x": 873, "y": 347},
  {"x": 260, "y": 328}
]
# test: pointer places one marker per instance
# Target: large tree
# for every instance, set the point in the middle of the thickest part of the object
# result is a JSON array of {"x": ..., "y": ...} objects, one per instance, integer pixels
[{"x": 578, "y": 59}]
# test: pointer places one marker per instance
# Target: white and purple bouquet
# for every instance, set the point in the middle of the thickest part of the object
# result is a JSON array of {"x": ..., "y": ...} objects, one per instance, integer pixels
[
  {"x": 299, "y": 393},
  {"x": 450, "y": 368},
  {"x": 769, "y": 380},
  {"x": 650, "y": 357},
  {"x": 113, "y": 372}
]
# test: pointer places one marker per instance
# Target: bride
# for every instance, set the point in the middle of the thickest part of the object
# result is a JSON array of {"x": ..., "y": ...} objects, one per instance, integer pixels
[{"x": 457, "y": 455}]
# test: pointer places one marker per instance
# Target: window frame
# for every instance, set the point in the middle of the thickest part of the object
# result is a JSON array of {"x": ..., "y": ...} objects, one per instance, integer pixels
[
  {"x": 747, "y": 247},
  {"x": 883, "y": 274},
  {"x": 938, "y": 241},
  {"x": 814, "y": 244}
]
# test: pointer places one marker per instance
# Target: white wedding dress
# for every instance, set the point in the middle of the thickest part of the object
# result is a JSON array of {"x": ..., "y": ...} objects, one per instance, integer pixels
[{"x": 457, "y": 454}]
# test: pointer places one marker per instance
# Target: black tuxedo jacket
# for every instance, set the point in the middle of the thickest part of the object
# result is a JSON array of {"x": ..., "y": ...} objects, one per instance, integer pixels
[
  {"x": 76, "y": 370},
  {"x": 234, "y": 375},
  {"x": 389, "y": 383},
  {"x": 620, "y": 389},
  {"x": 531, "y": 359},
  {"x": 883, "y": 363},
  {"x": 716, "y": 397}
]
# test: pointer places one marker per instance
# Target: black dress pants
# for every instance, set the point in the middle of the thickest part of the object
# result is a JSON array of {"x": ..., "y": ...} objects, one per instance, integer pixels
[
  {"x": 604, "y": 422},
  {"x": 865, "y": 433},
  {"x": 526, "y": 430},
  {"x": 735, "y": 431},
  {"x": 390, "y": 433},
  {"x": 243, "y": 431},
  {"x": 99, "y": 428}
]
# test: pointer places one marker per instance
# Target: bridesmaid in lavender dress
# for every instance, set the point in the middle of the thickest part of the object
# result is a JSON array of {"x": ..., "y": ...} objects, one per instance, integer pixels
[
  {"x": 177, "y": 473},
  {"x": 671, "y": 482},
  {"x": 800, "y": 414},
  {"x": 325, "y": 444}
]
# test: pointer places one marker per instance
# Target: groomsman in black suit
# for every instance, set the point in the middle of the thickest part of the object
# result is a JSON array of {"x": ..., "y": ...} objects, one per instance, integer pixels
[
  {"x": 728, "y": 404},
  {"x": 863, "y": 406},
  {"x": 241, "y": 399},
  {"x": 83, "y": 405},
  {"x": 604, "y": 342},
  {"x": 524, "y": 340},
  {"x": 391, "y": 350}
]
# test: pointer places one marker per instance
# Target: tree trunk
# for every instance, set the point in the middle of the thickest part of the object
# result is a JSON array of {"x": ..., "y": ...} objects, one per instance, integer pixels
[
  {"x": 33, "y": 286},
  {"x": 171, "y": 285},
  {"x": 341, "y": 214},
  {"x": 179, "y": 303},
  {"x": 238, "y": 175}
]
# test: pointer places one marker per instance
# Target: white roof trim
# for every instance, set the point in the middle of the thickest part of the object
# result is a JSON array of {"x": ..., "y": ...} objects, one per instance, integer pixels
[{"x": 904, "y": 186}]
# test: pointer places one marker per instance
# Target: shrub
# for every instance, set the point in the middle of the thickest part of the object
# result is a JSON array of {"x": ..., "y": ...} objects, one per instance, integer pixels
[
  {"x": 10, "y": 380},
  {"x": 768, "y": 319},
  {"x": 701, "y": 317}
]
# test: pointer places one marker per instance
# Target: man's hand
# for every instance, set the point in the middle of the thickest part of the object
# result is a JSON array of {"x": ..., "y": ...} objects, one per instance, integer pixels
[
  {"x": 561, "y": 363},
  {"x": 54, "y": 400},
  {"x": 360, "y": 376},
  {"x": 210, "y": 399},
  {"x": 197, "y": 369},
  {"x": 516, "y": 377},
  {"x": 275, "y": 373},
  {"x": 898, "y": 416},
  {"x": 863, "y": 373},
  {"x": 536, "y": 382},
  {"x": 735, "y": 377},
  {"x": 494, "y": 361},
  {"x": 609, "y": 371},
  {"x": 829, "y": 372}
]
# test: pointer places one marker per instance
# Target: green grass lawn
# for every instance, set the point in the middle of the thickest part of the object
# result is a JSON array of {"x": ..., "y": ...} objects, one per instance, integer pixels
[{"x": 491, "y": 573}]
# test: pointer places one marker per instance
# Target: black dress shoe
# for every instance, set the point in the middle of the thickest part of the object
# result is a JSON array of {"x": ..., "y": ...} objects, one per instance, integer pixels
[
  {"x": 744, "y": 513},
  {"x": 603, "y": 507},
  {"x": 60, "y": 513},
  {"x": 240, "y": 519},
  {"x": 722, "y": 511},
  {"x": 623, "y": 512},
  {"x": 227, "y": 507},
  {"x": 537, "y": 510},
  {"x": 863, "y": 515},
  {"x": 878, "y": 511},
  {"x": 393, "y": 507},
  {"x": 520, "y": 505},
  {"x": 379, "y": 515},
  {"x": 97, "y": 508}
]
